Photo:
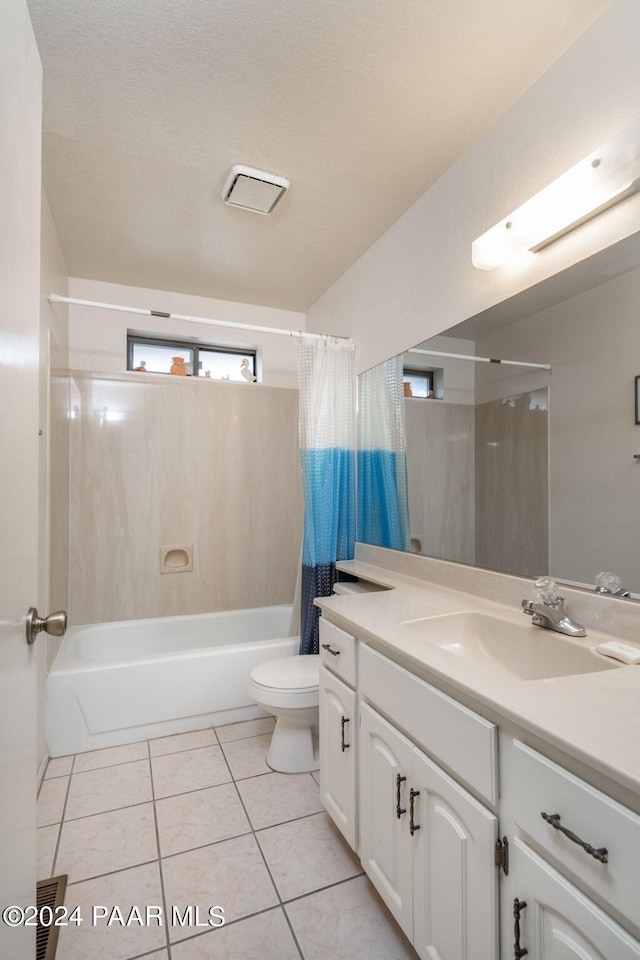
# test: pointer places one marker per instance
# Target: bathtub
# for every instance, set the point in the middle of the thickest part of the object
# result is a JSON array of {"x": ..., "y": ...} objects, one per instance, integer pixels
[{"x": 116, "y": 683}]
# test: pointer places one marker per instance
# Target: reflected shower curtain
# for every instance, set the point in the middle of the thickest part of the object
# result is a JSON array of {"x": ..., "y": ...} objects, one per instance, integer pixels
[
  {"x": 383, "y": 497},
  {"x": 325, "y": 375}
]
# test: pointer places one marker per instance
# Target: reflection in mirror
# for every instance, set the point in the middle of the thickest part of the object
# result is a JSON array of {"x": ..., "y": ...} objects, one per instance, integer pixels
[
  {"x": 525, "y": 470},
  {"x": 383, "y": 511}
]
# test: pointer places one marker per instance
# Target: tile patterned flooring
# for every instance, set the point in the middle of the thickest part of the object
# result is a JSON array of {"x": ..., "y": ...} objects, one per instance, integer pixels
[{"x": 199, "y": 820}]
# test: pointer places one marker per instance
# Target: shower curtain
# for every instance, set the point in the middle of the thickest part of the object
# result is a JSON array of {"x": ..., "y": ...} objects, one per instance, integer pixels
[
  {"x": 325, "y": 375},
  {"x": 383, "y": 496}
]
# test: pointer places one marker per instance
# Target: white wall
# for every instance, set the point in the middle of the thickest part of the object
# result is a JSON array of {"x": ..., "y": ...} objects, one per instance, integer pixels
[
  {"x": 98, "y": 338},
  {"x": 417, "y": 279}
]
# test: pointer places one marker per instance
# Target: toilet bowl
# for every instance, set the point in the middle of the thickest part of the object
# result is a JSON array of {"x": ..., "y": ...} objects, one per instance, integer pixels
[{"x": 287, "y": 687}]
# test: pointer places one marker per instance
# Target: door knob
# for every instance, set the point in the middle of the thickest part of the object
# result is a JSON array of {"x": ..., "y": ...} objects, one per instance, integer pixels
[{"x": 55, "y": 624}]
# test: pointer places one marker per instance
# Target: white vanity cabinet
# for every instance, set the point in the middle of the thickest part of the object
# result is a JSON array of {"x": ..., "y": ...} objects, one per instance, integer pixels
[
  {"x": 338, "y": 755},
  {"x": 574, "y": 859},
  {"x": 411, "y": 777},
  {"x": 553, "y": 920},
  {"x": 338, "y": 729},
  {"x": 386, "y": 847},
  {"x": 427, "y": 846}
]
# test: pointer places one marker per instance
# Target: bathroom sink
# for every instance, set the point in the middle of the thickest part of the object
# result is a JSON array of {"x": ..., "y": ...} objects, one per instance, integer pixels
[{"x": 522, "y": 650}]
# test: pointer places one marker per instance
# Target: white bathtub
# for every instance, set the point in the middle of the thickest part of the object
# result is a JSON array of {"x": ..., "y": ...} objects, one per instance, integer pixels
[{"x": 115, "y": 683}]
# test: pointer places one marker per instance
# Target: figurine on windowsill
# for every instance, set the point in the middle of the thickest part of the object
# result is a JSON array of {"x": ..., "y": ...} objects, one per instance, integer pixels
[
  {"x": 245, "y": 371},
  {"x": 142, "y": 368}
]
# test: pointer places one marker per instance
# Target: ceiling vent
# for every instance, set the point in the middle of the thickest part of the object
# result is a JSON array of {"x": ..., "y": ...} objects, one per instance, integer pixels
[{"x": 252, "y": 189}]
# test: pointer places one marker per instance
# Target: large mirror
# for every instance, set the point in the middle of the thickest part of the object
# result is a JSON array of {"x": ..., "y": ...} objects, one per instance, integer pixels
[{"x": 518, "y": 468}]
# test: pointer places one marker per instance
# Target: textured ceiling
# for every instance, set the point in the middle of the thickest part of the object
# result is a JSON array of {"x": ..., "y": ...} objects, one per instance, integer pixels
[{"x": 361, "y": 103}]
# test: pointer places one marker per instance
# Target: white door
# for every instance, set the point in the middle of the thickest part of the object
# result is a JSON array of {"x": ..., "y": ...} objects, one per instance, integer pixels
[
  {"x": 338, "y": 754},
  {"x": 455, "y": 910},
  {"x": 20, "y": 126},
  {"x": 385, "y": 842},
  {"x": 557, "y": 922}
]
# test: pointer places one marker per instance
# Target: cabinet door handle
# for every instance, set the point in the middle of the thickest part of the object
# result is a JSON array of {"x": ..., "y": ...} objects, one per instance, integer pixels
[
  {"x": 399, "y": 810},
  {"x": 518, "y": 951},
  {"x": 412, "y": 826},
  {"x": 598, "y": 853},
  {"x": 343, "y": 723},
  {"x": 334, "y": 653}
]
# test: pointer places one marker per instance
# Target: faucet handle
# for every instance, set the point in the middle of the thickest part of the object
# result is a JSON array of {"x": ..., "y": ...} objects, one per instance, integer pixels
[
  {"x": 607, "y": 582},
  {"x": 546, "y": 590}
]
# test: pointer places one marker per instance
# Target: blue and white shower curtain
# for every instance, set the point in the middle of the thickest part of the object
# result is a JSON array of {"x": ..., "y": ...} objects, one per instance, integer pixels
[
  {"x": 326, "y": 379},
  {"x": 383, "y": 497}
]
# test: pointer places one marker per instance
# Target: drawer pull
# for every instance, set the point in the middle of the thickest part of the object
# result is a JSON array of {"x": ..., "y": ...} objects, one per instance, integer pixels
[
  {"x": 399, "y": 810},
  {"x": 598, "y": 853},
  {"x": 343, "y": 724},
  {"x": 334, "y": 653},
  {"x": 518, "y": 951},
  {"x": 412, "y": 826}
]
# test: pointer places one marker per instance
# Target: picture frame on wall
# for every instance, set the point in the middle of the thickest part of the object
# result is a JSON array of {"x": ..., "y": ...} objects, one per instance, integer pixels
[{"x": 636, "y": 396}]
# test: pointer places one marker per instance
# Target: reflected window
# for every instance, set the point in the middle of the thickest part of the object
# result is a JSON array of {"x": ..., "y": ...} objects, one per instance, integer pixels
[{"x": 417, "y": 383}]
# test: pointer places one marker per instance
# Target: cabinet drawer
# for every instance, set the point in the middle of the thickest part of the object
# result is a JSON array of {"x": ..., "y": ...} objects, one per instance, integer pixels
[
  {"x": 460, "y": 739},
  {"x": 541, "y": 786},
  {"x": 338, "y": 651}
]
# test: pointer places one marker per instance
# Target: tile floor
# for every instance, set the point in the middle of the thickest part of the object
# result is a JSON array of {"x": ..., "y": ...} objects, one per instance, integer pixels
[{"x": 199, "y": 820}]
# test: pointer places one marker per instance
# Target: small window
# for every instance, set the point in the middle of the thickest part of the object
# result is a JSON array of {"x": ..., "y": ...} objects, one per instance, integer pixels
[
  {"x": 210, "y": 361},
  {"x": 418, "y": 383}
]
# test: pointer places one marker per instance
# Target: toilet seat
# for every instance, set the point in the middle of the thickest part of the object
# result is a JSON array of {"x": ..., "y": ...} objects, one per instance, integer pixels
[
  {"x": 286, "y": 681},
  {"x": 288, "y": 674}
]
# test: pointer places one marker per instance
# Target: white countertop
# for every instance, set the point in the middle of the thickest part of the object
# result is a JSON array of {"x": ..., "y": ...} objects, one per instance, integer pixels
[{"x": 592, "y": 717}]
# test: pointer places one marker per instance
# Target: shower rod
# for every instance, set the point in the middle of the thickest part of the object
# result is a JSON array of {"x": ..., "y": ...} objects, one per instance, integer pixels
[
  {"x": 467, "y": 356},
  {"x": 55, "y": 298}
]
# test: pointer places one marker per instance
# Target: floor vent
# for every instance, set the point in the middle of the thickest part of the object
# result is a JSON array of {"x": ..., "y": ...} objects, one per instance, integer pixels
[{"x": 50, "y": 893}]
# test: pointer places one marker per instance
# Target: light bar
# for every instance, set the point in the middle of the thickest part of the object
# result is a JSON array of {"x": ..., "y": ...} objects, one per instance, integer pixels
[{"x": 606, "y": 176}]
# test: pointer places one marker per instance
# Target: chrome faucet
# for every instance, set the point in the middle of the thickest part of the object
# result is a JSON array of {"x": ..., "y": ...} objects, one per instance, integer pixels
[{"x": 548, "y": 610}]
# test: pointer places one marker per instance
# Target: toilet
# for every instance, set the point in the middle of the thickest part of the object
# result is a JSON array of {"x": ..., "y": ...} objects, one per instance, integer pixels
[{"x": 287, "y": 687}]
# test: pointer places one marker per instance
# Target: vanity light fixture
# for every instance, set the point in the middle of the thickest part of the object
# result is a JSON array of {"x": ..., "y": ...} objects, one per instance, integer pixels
[{"x": 606, "y": 176}]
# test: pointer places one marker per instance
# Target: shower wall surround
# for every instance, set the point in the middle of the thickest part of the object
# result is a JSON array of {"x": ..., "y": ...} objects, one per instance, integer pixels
[
  {"x": 54, "y": 422},
  {"x": 476, "y": 474},
  {"x": 441, "y": 475},
  {"x": 512, "y": 483},
  {"x": 58, "y": 553},
  {"x": 161, "y": 460}
]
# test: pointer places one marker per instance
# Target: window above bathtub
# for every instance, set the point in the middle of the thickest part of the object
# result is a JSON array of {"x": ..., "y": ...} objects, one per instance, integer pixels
[{"x": 203, "y": 359}]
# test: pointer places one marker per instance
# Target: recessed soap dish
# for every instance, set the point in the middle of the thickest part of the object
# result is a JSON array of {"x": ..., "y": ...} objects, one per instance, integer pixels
[{"x": 176, "y": 559}]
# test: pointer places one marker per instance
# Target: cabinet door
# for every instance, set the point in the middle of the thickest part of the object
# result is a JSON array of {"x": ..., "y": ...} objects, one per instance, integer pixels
[
  {"x": 338, "y": 754},
  {"x": 385, "y": 843},
  {"x": 558, "y": 921},
  {"x": 455, "y": 878}
]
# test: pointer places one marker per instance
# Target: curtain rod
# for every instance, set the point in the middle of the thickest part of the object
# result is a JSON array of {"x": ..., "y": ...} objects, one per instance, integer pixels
[
  {"x": 467, "y": 356},
  {"x": 55, "y": 298}
]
